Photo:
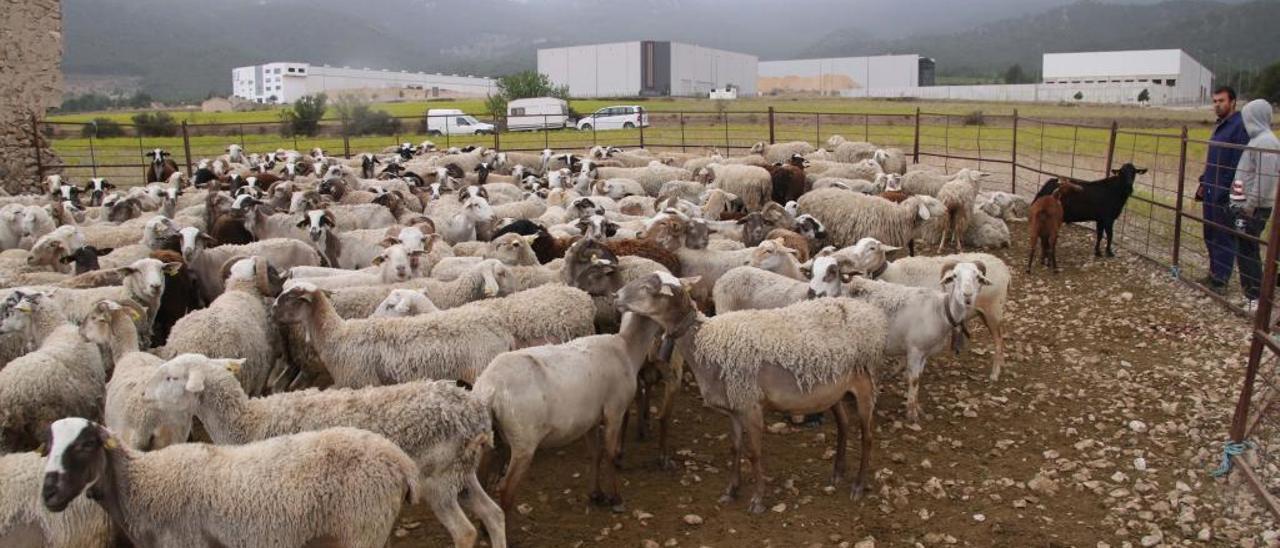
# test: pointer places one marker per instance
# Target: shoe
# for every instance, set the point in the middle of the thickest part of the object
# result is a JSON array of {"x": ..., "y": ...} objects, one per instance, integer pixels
[{"x": 1213, "y": 285}]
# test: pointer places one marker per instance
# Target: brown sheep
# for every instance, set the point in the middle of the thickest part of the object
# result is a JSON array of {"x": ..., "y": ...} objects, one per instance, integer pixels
[
  {"x": 788, "y": 179},
  {"x": 1045, "y": 222},
  {"x": 792, "y": 240}
]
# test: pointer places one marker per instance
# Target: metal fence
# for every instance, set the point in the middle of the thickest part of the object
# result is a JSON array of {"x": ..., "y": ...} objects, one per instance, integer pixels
[{"x": 1162, "y": 222}]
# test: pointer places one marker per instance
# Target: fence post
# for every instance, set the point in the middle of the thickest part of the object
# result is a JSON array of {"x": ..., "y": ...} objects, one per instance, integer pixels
[
  {"x": 682, "y": 146},
  {"x": 817, "y": 130},
  {"x": 186, "y": 148},
  {"x": 346, "y": 139},
  {"x": 1013, "y": 164},
  {"x": 1177, "y": 208},
  {"x": 771, "y": 139},
  {"x": 35, "y": 144},
  {"x": 915, "y": 147},
  {"x": 1111, "y": 148},
  {"x": 640, "y": 124},
  {"x": 726, "y": 133},
  {"x": 93, "y": 156},
  {"x": 1261, "y": 326},
  {"x": 497, "y": 141}
]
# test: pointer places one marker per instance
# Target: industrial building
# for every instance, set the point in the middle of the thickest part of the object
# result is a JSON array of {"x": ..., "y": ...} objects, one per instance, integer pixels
[
  {"x": 647, "y": 68},
  {"x": 1170, "y": 72},
  {"x": 843, "y": 76},
  {"x": 285, "y": 82}
]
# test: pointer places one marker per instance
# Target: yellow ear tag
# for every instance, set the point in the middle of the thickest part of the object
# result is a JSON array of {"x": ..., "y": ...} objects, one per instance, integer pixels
[
  {"x": 134, "y": 314},
  {"x": 233, "y": 367},
  {"x": 111, "y": 443}
]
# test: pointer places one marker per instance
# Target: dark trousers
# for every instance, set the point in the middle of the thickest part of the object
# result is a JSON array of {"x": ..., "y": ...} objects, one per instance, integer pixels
[
  {"x": 1219, "y": 240},
  {"x": 1247, "y": 250}
]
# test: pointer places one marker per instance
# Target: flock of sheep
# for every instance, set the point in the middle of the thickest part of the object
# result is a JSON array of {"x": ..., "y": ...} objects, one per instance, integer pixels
[{"x": 415, "y": 324}]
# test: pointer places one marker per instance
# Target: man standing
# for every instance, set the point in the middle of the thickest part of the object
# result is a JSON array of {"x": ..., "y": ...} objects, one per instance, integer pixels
[
  {"x": 1253, "y": 194},
  {"x": 1215, "y": 186}
]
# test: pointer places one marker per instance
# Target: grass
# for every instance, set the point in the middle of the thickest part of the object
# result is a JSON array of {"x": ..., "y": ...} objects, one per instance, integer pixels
[{"x": 1146, "y": 117}]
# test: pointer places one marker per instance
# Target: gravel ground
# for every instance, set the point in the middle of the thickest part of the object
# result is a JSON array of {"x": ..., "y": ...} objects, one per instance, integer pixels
[{"x": 1117, "y": 395}]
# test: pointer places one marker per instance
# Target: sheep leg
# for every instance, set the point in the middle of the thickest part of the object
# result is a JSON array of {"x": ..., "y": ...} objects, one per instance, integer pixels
[
  {"x": 1097, "y": 241},
  {"x": 735, "y": 466},
  {"x": 612, "y": 441},
  {"x": 842, "y": 434},
  {"x": 754, "y": 423},
  {"x": 994, "y": 325},
  {"x": 943, "y": 242},
  {"x": 443, "y": 501},
  {"x": 915, "y": 366},
  {"x": 1111, "y": 232},
  {"x": 594, "y": 449},
  {"x": 670, "y": 386},
  {"x": 864, "y": 390},
  {"x": 495, "y": 522},
  {"x": 516, "y": 469}
]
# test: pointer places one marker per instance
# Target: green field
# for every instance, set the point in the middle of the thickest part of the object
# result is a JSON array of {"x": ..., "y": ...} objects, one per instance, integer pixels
[{"x": 1144, "y": 117}]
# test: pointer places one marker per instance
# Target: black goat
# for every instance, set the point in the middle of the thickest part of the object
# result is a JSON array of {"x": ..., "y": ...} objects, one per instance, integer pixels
[
  {"x": 1099, "y": 201},
  {"x": 85, "y": 258},
  {"x": 181, "y": 295}
]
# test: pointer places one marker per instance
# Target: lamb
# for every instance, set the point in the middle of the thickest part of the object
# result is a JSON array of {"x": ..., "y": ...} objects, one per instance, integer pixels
[
  {"x": 461, "y": 226},
  {"x": 342, "y": 485},
  {"x": 751, "y": 288},
  {"x": 512, "y": 249},
  {"x": 1099, "y": 201},
  {"x": 781, "y": 152},
  {"x": 852, "y": 151},
  {"x": 893, "y": 160},
  {"x": 922, "y": 321},
  {"x": 236, "y": 324},
  {"x": 864, "y": 170},
  {"x": 926, "y": 181},
  {"x": 1046, "y": 220},
  {"x": 10, "y": 225},
  {"x": 958, "y": 195},
  {"x": 27, "y": 317},
  {"x": 64, "y": 377},
  {"x": 207, "y": 263},
  {"x": 745, "y": 362},
  {"x": 618, "y": 188},
  {"x": 550, "y": 396},
  {"x": 684, "y": 190},
  {"x": 24, "y": 521},
  {"x": 36, "y": 221},
  {"x": 1004, "y": 205},
  {"x": 849, "y": 217},
  {"x": 870, "y": 256},
  {"x": 751, "y": 184},
  {"x": 402, "y": 303},
  {"x": 441, "y": 426},
  {"x": 451, "y": 344}
]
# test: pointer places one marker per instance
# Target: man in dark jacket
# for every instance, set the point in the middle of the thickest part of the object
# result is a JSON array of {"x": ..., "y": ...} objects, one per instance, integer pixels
[{"x": 1215, "y": 189}]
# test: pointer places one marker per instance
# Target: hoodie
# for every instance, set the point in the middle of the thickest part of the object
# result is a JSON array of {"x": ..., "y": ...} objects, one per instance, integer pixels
[{"x": 1259, "y": 167}]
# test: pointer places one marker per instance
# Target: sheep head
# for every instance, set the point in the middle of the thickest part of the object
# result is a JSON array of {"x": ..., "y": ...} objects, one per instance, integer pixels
[
  {"x": 108, "y": 318},
  {"x": 661, "y": 297}
]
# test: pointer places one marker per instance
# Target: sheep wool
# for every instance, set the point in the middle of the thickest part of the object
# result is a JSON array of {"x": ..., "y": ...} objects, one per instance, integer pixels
[
  {"x": 817, "y": 341},
  {"x": 83, "y": 524},
  {"x": 850, "y": 216}
]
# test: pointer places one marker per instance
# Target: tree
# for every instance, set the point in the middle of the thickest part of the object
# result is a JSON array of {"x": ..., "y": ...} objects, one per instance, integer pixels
[
  {"x": 159, "y": 124},
  {"x": 1015, "y": 75},
  {"x": 1079, "y": 95},
  {"x": 359, "y": 118},
  {"x": 522, "y": 85},
  {"x": 1145, "y": 96},
  {"x": 1267, "y": 85},
  {"x": 305, "y": 115},
  {"x": 102, "y": 128}
]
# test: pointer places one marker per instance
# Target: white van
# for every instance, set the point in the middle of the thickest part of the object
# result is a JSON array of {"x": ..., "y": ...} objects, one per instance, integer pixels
[
  {"x": 619, "y": 117},
  {"x": 537, "y": 113},
  {"x": 451, "y": 121}
]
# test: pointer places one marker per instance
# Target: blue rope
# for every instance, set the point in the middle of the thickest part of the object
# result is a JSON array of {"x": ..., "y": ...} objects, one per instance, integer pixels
[
  {"x": 1175, "y": 271},
  {"x": 1229, "y": 450}
]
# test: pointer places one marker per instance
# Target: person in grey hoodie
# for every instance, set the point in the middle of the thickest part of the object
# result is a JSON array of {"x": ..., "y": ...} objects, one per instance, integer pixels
[{"x": 1253, "y": 194}]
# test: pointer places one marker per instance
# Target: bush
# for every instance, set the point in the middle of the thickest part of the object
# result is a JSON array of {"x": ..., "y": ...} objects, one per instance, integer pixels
[
  {"x": 102, "y": 128},
  {"x": 155, "y": 124},
  {"x": 1144, "y": 97},
  {"x": 1079, "y": 95},
  {"x": 304, "y": 117},
  {"x": 359, "y": 118},
  {"x": 1267, "y": 85},
  {"x": 975, "y": 118}
]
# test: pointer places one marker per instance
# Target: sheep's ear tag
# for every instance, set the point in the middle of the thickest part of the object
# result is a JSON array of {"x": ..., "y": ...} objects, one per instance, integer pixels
[
  {"x": 111, "y": 443},
  {"x": 234, "y": 366},
  {"x": 135, "y": 314}
]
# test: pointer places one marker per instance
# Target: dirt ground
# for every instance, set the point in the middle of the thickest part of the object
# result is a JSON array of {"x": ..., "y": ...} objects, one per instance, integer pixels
[{"x": 1102, "y": 431}]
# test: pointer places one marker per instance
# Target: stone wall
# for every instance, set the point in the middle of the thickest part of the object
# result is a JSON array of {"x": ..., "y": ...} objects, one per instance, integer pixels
[{"x": 30, "y": 82}]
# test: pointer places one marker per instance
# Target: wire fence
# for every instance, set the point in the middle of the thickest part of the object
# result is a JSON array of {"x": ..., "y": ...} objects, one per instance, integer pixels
[{"x": 1163, "y": 222}]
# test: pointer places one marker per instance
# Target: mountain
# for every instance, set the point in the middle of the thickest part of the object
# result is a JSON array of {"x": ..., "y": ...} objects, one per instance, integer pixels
[{"x": 1218, "y": 34}]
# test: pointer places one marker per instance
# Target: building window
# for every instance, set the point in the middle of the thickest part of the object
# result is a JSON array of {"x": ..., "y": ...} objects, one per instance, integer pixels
[
  {"x": 1156, "y": 81},
  {"x": 1170, "y": 82},
  {"x": 518, "y": 111},
  {"x": 291, "y": 69}
]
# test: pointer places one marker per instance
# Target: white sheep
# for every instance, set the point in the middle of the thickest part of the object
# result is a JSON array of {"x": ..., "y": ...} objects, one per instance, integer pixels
[
  {"x": 461, "y": 226},
  {"x": 1004, "y": 205},
  {"x": 849, "y": 216},
  {"x": 871, "y": 256},
  {"x": 753, "y": 185},
  {"x": 236, "y": 324},
  {"x": 781, "y": 152},
  {"x": 27, "y": 317},
  {"x": 550, "y": 396},
  {"x": 207, "y": 263},
  {"x": 851, "y": 151},
  {"x": 401, "y": 303},
  {"x": 892, "y": 159},
  {"x": 342, "y": 484},
  {"x": 24, "y": 521},
  {"x": 490, "y": 278},
  {"x": 649, "y": 178},
  {"x": 450, "y": 344},
  {"x": 443, "y": 427},
  {"x": 804, "y": 358},
  {"x": 923, "y": 321},
  {"x": 392, "y": 265},
  {"x": 958, "y": 195},
  {"x": 866, "y": 170},
  {"x": 64, "y": 377}
]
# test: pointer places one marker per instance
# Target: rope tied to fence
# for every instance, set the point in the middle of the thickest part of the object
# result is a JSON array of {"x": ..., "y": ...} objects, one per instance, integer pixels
[{"x": 1231, "y": 449}]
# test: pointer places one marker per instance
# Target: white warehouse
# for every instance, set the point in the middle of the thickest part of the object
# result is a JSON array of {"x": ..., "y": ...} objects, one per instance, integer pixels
[
  {"x": 1167, "y": 73},
  {"x": 284, "y": 82},
  {"x": 647, "y": 68},
  {"x": 843, "y": 76}
]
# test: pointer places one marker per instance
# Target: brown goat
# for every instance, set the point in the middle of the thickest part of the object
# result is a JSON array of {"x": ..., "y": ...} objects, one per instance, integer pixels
[
  {"x": 788, "y": 179},
  {"x": 1045, "y": 222}
]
